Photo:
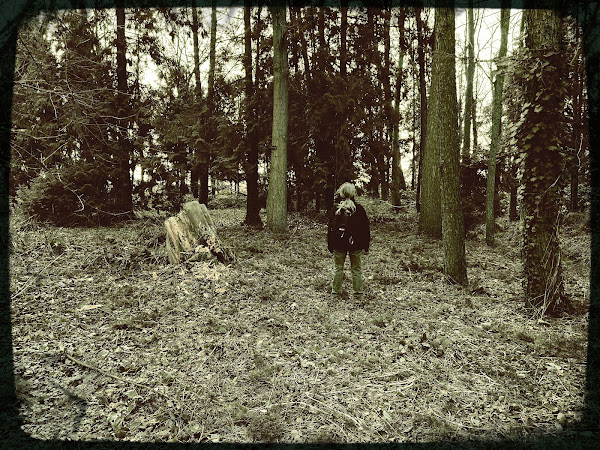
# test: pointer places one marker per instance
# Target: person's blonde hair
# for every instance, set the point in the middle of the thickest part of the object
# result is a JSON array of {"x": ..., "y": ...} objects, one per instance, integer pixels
[
  {"x": 346, "y": 207},
  {"x": 347, "y": 194},
  {"x": 347, "y": 190}
]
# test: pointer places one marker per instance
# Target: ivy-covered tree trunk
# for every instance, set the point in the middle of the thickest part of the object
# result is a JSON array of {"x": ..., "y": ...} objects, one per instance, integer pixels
[
  {"x": 122, "y": 182},
  {"x": 490, "y": 223},
  {"x": 252, "y": 205},
  {"x": 542, "y": 160},
  {"x": 277, "y": 195}
]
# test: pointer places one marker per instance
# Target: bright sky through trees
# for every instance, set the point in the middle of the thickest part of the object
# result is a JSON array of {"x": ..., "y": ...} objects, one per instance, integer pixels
[{"x": 487, "y": 36}]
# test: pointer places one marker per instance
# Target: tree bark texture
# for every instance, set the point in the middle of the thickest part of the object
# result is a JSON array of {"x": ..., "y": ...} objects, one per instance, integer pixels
[
  {"x": 251, "y": 167},
  {"x": 469, "y": 103},
  {"x": 424, "y": 106},
  {"x": 430, "y": 217},
  {"x": 277, "y": 195},
  {"x": 195, "y": 174},
  {"x": 443, "y": 122},
  {"x": 490, "y": 223},
  {"x": 191, "y": 235},
  {"x": 205, "y": 154},
  {"x": 398, "y": 181},
  {"x": 344, "y": 37},
  {"x": 543, "y": 162}
]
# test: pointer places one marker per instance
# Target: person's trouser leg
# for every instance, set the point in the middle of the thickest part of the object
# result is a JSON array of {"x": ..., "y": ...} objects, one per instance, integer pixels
[
  {"x": 356, "y": 269},
  {"x": 338, "y": 274}
]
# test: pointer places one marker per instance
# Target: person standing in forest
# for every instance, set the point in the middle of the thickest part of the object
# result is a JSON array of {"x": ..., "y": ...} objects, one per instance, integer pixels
[{"x": 348, "y": 232}]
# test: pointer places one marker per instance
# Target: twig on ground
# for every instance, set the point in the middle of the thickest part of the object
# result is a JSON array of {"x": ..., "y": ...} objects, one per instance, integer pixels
[
  {"x": 103, "y": 372},
  {"x": 353, "y": 419},
  {"x": 35, "y": 276}
]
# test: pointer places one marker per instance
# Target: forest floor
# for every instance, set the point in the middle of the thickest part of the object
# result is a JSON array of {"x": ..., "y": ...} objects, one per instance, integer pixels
[{"x": 113, "y": 343}]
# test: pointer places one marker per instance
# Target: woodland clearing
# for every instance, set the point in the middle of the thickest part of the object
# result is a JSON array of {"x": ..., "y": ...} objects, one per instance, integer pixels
[{"x": 113, "y": 343}]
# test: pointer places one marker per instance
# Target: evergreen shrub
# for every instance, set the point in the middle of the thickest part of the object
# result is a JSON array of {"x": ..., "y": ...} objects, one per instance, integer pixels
[
  {"x": 73, "y": 195},
  {"x": 474, "y": 185}
]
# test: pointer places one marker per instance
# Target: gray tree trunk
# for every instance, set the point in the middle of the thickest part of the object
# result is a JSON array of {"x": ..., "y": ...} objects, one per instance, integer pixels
[
  {"x": 490, "y": 223},
  {"x": 251, "y": 166},
  {"x": 277, "y": 195},
  {"x": 205, "y": 154},
  {"x": 442, "y": 134},
  {"x": 430, "y": 217},
  {"x": 198, "y": 93},
  {"x": 469, "y": 103},
  {"x": 424, "y": 106},
  {"x": 398, "y": 181}
]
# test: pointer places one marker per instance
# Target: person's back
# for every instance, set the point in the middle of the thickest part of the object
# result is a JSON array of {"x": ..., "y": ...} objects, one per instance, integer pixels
[{"x": 348, "y": 233}]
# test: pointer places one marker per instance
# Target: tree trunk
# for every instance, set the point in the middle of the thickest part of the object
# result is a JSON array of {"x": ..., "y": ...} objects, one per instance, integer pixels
[
  {"x": 398, "y": 181},
  {"x": 490, "y": 223},
  {"x": 123, "y": 183},
  {"x": 195, "y": 173},
  {"x": 443, "y": 122},
  {"x": 423, "y": 112},
  {"x": 191, "y": 235},
  {"x": 430, "y": 217},
  {"x": 277, "y": 195},
  {"x": 252, "y": 204},
  {"x": 513, "y": 214},
  {"x": 343, "y": 33},
  {"x": 205, "y": 155},
  {"x": 466, "y": 150},
  {"x": 388, "y": 123},
  {"x": 543, "y": 163},
  {"x": 579, "y": 123}
]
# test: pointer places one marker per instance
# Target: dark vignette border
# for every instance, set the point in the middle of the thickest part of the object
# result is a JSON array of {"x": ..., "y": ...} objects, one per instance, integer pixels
[{"x": 584, "y": 435}]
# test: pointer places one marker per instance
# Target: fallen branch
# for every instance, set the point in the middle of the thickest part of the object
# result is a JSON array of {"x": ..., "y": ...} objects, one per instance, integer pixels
[{"x": 103, "y": 372}]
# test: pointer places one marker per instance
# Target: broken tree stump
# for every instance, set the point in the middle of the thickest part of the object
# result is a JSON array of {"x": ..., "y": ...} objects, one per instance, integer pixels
[{"x": 191, "y": 235}]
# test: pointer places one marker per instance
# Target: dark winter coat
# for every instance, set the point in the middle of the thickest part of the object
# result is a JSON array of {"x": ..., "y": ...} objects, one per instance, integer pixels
[{"x": 360, "y": 230}]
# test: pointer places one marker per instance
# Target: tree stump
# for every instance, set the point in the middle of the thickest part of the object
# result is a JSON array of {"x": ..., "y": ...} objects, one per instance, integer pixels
[{"x": 191, "y": 236}]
